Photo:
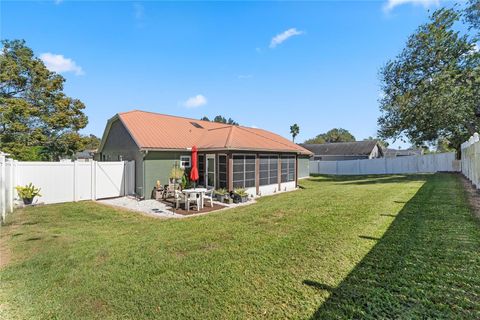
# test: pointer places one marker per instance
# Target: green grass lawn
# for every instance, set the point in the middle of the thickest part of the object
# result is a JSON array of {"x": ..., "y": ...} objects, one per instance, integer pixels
[{"x": 342, "y": 247}]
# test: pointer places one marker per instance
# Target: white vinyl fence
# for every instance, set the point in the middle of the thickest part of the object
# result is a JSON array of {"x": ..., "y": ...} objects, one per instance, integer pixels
[
  {"x": 399, "y": 165},
  {"x": 471, "y": 159},
  {"x": 65, "y": 181}
]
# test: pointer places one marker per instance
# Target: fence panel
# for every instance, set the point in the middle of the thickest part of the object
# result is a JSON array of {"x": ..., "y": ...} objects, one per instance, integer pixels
[
  {"x": 65, "y": 181},
  {"x": 399, "y": 165},
  {"x": 55, "y": 179},
  {"x": 471, "y": 159}
]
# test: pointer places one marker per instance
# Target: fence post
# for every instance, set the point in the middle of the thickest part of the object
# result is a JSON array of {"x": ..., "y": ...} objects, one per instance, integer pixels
[
  {"x": 2, "y": 186},
  {"x": 74, "y": 180},
  {"x": 11, "y": 186}
]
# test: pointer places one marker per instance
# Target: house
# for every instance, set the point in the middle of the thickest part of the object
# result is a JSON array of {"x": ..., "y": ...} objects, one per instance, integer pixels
[
  {"x": 229, "y": 156},
  {"x": 369, "y": 149},
  {"x": 85, "y": 155},
  {"x": 393, "y": 153}
]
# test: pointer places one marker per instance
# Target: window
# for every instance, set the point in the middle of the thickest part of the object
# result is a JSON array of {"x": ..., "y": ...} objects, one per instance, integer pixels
[
  {"x": 243, "y": 171},
  {"x": 222, "y": 171},
  {"x": 268, "y": 170},
  {"x": 288, "y": 168},
  {"x": 201, "y": 170},
  {"x": 185, "y": 161}
]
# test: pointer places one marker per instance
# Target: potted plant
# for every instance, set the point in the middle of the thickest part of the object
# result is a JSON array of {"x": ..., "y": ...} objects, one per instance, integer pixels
[
  {"x": 220, "y": 194},
  {"x": 28, "y": 193},
  {"x": 176, "y": 174},
  {"x": 240, "y": 195}
]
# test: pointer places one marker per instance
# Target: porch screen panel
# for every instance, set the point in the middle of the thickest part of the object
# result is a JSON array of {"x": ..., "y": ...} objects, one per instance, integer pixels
[
  {"x": 288, "y": 168},
  {"x": 273, "y": 175},
  {"x": 222, "y": 171},
  {"x": 243, "y": 171},
  {"x": 264, "y": 170},
  {"x": 268, "y": 170}
]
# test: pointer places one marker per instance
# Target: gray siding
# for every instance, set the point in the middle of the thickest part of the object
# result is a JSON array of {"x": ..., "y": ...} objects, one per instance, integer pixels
[
  {"x": 120, "y": 145},
  {"x": 158, "y": 165}
]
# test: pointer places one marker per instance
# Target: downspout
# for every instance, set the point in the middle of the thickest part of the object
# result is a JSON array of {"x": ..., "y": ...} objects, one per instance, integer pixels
[{"x": 145, "y": 153}]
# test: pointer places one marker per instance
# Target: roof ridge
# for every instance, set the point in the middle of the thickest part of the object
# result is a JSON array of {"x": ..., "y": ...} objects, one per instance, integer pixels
[
  {"x": 229, "y": 137},
  {"x": 187, "y": 118},
  {"x": 286, "y": 145},
  {"x": 169, "y": 115}
]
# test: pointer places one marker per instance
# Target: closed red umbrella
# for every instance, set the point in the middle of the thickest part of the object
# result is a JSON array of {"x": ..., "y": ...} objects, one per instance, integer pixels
[{"x": 194, "y": 170}]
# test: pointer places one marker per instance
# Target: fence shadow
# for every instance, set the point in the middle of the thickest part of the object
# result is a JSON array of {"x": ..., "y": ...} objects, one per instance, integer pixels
[
  {"x": 369, "y": 179},
  {"x": 426, "y": 265}
]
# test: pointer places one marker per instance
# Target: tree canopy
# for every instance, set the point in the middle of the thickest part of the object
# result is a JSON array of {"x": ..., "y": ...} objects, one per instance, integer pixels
[
  {"x": 432, "y": 88},
  {"x": 37, "y": 120},
  {"x": 332, "y": 136},
  {"x": 221, "y": 119}
]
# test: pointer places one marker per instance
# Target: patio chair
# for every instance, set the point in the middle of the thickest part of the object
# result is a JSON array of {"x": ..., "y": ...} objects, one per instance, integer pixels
[
  {"x": 186, "y": 199},
  {"x": 208, "y": 196},
  {"x": 170, "y": 190},
  {"x": 159, "y": 193}
]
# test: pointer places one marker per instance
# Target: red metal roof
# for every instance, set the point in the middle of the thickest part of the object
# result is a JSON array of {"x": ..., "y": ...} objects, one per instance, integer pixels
[{"x": 159, "y": 131}]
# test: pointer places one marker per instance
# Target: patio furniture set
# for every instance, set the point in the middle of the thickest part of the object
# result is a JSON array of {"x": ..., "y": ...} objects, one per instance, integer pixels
[{"x": 188, "y": 197}]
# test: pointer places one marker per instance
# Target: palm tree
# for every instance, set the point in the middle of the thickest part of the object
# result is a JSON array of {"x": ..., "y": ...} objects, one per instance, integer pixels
[{"x": 294, "y": 131}]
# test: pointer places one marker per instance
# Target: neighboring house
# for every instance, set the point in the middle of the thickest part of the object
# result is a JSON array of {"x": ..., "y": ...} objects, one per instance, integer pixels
[
  {"x": 393, "y": 153},
  {"x": 370, "y": 149},
  {"x": 229, "y": 156},
  {"x": 85, "y": 155}
]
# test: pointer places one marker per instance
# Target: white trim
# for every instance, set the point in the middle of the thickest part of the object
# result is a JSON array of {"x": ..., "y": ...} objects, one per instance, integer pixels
[
  {"x": 182, "y": 160},
  {"x": 211, "y": 156}
]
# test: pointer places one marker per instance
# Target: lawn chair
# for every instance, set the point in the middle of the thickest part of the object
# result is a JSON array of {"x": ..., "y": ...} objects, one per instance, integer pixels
[
  {"x": 208, "y": 196},
  {"x": 170, "y": 190},
  {"x": 159, "y": 193},
  {"x": 186, "y": 199}
]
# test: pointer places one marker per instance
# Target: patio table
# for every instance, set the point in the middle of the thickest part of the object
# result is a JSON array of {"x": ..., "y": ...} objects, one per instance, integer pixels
[{"x": 200, "y": 191}]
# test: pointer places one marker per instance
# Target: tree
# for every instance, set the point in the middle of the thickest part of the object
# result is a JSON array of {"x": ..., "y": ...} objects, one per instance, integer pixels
[
  {"x": 37, "y": 120},
  {"x": 294, "y": 131},
  {"x": 472, "y": 14},
  {"x": 432, "y": 88},
  {"x": 221, "y": 119},
  {"x": 332, "y": 136},
  {"x": 91, "y": 142}
]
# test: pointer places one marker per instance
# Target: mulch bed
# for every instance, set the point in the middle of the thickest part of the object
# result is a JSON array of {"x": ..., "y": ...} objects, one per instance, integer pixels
[{"x": 193, "y": 209}]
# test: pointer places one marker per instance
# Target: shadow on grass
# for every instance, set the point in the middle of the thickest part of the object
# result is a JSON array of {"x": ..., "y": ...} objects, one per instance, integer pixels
[
  {"x": 426, "y": 265},
  {"x": 318, "y": 285},
  {"x": 369, "y": 238}
]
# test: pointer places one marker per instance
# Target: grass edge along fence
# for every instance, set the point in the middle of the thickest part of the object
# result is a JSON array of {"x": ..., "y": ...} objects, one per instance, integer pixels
[{"x": 471, "y": 159}]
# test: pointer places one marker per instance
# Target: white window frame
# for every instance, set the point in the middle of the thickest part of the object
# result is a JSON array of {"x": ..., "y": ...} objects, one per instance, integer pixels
[{"x": 184, "y": 159}]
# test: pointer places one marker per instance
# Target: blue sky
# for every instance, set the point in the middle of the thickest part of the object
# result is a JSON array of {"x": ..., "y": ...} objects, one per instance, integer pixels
[{"x": 264, "y": 64}]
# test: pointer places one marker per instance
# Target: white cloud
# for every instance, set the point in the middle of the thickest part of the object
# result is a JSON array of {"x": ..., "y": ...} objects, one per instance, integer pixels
[
  {"x": 281, "y": 37},
  {"x": 391, "y": 4},
  {"x": 58, "y": 63},
  {"x": 196, "y": 101}
]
